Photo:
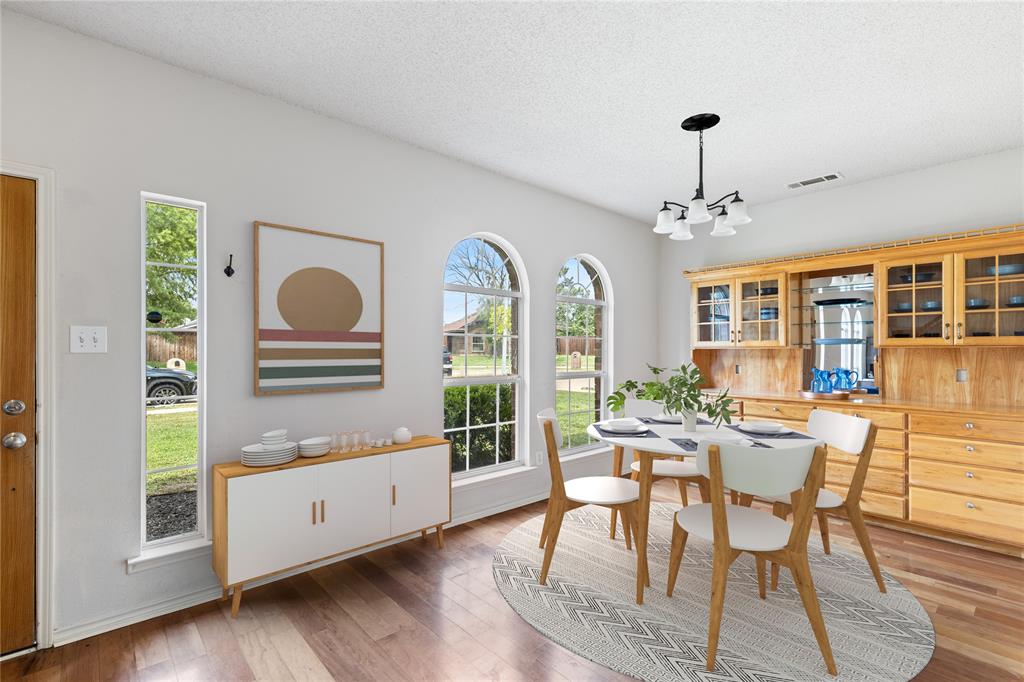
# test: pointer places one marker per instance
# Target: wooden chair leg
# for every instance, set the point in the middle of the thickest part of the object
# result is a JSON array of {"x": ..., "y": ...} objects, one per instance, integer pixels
[
  {"x": 719, "y": 576},
  {"x": 823, "y": 529},
  {"x": 676, "y": 556},
  {"x": 780, "y": 510},
  {"x": 547, "y": 524},
  {"x": 860, "y": 530},
  {"x": 236, "y": 600},
  {"x": 805, "y": 586},
  {"x": 440, "y": 537},
  {"x": 681, "y": 483},
  {"x": 705, "y": 490},
  {"x": 615, "y": 521},
  {"x": 760, "y": 577},
  {"x": 775, "y": 576},
  {"x": 627, "y": 527},
  {"x": 549, "y": 547}
]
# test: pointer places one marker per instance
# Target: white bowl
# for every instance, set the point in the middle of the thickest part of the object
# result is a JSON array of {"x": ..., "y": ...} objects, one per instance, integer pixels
[
  {"x": 316, "y": 441},
  {"x": 621, "y": 424},
  {"x": 275, "y": 434}
]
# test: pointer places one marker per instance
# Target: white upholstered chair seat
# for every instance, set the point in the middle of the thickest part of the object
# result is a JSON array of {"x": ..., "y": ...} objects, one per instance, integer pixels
[
  {"x": 749, "y": 529},
  {"x": 670, "y": 468},
  {"x": 827, "y": 499},
  {"x": 602, "y": 490}
]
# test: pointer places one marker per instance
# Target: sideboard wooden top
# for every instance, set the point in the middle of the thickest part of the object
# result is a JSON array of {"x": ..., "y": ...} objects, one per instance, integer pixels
[
  {"x": 882, "y": 403},
  {"x": 235, "y": 469}
]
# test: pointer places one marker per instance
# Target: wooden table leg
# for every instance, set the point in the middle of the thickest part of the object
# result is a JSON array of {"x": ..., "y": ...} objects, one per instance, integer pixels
[
  {"x": 224, "y": 594},
  {"x": 236, "y": 599},
  {"x": 646, "y": 480},
  {"x": 440, "y": 537},
  {"x": 616, "y": 472}
]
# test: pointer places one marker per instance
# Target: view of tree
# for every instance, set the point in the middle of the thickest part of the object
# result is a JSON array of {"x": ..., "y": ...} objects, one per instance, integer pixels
[
  {"x": 171, "y": 238},
  {"x": 476, "y": 263}
]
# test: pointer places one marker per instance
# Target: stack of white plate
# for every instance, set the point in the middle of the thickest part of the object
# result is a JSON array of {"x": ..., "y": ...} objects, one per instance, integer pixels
[
  {"x": 274, "y": 438},
  {"x": 260, "y": 455},
  {"x": 315, "y": 447}
]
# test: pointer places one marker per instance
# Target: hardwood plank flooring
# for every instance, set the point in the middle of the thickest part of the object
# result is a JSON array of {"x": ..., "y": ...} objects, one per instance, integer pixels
[{"x": 412, "y": 612}]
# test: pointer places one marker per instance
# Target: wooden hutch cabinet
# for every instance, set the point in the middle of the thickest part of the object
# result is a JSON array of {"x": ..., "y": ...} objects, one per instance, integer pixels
[{"x": 740, "y": 312}]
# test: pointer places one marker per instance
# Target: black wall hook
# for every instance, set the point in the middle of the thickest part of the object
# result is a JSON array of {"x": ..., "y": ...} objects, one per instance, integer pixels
[{"x": 230, "y": 270}]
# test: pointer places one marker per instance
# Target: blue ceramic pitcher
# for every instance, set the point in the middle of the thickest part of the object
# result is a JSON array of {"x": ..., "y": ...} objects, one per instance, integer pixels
[
  {"x": 846, "y": 379},
  {"x": 822, "y": 380}
]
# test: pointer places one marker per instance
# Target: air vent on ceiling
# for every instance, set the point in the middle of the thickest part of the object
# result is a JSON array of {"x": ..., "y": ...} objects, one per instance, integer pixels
[{"x": 831, "y": 177}]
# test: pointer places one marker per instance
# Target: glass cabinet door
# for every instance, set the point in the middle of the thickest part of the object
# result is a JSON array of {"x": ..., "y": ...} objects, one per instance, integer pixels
[
  {"x": 990, "y": 297},
  {"x": 916, "y": 301},
  {"x": 760, "y": 311},
  {"x": 713, "y": 314}
]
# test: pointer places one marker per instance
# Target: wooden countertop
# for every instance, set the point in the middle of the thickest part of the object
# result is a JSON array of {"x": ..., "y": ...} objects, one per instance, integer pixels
[
  {"x": 235, "y": 469},
  {"x": 885, "y": 404}
]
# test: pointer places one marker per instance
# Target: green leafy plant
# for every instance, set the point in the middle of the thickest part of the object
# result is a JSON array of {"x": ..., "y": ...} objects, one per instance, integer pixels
[{"x": 678, "y": 391}]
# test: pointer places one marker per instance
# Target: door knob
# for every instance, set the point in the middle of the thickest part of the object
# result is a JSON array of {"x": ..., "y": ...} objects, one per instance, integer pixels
[
  {"x": 14, "y": 407},
  {"x": 15, "y": 440}
]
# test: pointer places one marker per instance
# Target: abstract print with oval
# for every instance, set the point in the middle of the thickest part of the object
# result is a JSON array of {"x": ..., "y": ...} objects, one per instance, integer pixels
[{"x": 319, "y": 311}]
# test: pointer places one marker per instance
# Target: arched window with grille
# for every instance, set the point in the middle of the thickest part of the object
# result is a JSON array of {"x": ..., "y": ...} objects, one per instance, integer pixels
[
  {"x": 582, "y": 311},
  {"x": 481, "y": 355}
]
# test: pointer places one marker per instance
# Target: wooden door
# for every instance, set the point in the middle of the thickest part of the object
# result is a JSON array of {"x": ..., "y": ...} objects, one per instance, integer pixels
[
  {"x": 989, "y": 297},
  {"x": 421, "y": 489},
  {"x": 713, "y": 314},
  {"x": 760, "y": 312},
  {"x": 272, "y": 521},
  {"x": 355, "y": 501},
  {"x": 18, "y": 418},
  {"x": 914, "y": 301}
]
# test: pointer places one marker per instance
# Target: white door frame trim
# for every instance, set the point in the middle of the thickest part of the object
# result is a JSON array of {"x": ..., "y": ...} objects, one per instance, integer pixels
[{"x": 46, "y": 353}]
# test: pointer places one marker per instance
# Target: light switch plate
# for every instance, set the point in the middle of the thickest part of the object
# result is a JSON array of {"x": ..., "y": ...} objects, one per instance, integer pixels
[{"x": 88, "y": 339}]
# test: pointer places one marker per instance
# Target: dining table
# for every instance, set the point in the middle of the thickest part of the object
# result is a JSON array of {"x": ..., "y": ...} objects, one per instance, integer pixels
[{"x": 670, "y": 440}]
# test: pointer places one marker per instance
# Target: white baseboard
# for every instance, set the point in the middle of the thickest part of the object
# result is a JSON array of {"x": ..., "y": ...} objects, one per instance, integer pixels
[{"x": 185, "y": 601}]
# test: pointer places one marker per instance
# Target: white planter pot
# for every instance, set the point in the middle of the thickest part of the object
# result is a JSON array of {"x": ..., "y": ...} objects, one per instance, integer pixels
[{"x": 689, "y": 421}]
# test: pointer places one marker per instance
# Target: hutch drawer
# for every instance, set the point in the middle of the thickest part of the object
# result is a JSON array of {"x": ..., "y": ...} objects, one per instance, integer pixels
[{"x": 966, "y": 451}]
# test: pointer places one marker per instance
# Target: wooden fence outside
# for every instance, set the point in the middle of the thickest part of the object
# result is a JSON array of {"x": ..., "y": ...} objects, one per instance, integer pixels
[{"x": 162, "y": 347}]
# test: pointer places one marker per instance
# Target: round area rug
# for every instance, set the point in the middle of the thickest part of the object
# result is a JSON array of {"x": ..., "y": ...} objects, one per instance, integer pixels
[{"x": 589, "y": 607}]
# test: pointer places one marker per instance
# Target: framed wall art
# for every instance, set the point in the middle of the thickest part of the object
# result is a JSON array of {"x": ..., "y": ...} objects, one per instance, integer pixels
[{"x": 318, "y": 319}]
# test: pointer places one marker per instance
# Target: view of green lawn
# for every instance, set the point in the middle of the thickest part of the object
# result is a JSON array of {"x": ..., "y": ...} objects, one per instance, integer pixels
[
  {"x": 485, "y": 362},
  {"x": 172, "y": 439},
  {"x": 574, "y": 427}
]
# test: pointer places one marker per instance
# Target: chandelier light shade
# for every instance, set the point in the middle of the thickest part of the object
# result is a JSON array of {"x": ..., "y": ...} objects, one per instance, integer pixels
[
  {"x": 666, "y": 221},
  {"x": 698, "y": 210}
]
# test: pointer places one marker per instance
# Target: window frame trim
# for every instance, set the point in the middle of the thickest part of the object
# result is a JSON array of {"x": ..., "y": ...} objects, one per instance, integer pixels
[{"x": 202, "y": 530}]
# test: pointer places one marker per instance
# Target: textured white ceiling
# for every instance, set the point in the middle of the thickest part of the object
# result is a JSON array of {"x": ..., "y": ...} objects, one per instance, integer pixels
[{"x": 586, "y": 98}]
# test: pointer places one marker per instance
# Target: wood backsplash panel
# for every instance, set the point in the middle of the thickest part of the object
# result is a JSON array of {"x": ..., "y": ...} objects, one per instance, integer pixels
[
  {"x": 762, "y": 370},
  {"x": 995, "y": 375}
]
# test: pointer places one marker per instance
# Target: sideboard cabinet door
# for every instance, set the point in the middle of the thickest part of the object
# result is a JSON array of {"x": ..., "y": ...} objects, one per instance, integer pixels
[
  {"x": 352, "y": 503},
  {"x": 421, "y": 491},
  {"x": 270, "y": 522}
]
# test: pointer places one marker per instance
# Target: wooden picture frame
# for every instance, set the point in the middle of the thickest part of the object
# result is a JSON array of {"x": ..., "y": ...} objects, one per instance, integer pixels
[{"x": 319, "y": 328}]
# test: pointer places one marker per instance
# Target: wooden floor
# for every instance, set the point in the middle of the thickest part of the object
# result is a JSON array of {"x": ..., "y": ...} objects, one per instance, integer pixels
[{"x": 411, "y": 612}]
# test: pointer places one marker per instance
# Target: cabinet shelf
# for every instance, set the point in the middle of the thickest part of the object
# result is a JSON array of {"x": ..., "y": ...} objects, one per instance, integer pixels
[
  {"x": 815, "y": 324},
  {"x": 860, "y": 286}
]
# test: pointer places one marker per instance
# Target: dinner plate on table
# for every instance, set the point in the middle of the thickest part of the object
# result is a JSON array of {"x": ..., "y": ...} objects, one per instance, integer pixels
[
  {"x": 668, "y": 418},
  {"x": 624, "y": 430},
  {"x": 763, "y": 428}
]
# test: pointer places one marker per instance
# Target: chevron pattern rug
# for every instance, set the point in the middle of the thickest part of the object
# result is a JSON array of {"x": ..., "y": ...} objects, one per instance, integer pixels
[{"x": 588, "y": 606}]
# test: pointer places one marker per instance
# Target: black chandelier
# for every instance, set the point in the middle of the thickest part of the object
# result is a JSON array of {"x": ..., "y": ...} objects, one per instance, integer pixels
[{"x": 699, "y": 210}]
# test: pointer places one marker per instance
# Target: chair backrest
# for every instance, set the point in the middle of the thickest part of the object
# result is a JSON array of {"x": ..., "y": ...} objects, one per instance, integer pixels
[
  {"x": 635, "y": 407},
  {"x": 548, "y": 422},
  {"x": 768, "y": 473},
  {"x": 842, "y": 431},
  {"x": 854, "y": 435},
  {"x": 758, "y": 471}
]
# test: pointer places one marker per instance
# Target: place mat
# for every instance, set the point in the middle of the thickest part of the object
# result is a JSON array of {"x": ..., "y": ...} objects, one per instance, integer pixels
[
  {"x": 612, "y": 434},
  {"x": 795, "y": 435},
  {"x": 687, "y": 444},
  {"x": 651, "y": 420}
]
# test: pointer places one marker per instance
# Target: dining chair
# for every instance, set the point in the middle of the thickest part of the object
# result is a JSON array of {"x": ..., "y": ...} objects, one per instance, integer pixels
[
  {"x": 856, "y": 436},
  {"x": 617, "y": 493},
  {"x": 734, "y": 529},
  {"x": 683, "y": 471}
]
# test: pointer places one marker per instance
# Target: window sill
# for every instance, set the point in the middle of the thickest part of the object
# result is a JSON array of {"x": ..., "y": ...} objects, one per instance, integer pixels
[
  {"x": 172, "y": 553},
  {"x": 491, "y": 478}
]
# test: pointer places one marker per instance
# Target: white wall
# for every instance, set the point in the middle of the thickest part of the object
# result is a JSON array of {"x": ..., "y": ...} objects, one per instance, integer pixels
[
  {"x": 980, "y": 192},
  {"x": 112, "y": 123}
]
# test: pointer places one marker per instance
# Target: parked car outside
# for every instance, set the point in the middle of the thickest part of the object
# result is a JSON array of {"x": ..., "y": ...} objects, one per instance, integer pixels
[
  {"x": 446, "y": 360},
  {"x": 169, "y": 386}
]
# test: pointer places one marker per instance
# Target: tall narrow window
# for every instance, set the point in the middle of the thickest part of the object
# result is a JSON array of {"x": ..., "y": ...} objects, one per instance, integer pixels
[
  {"x": 480, "y": 356},
  {"x": 173, "y": 232},
  {"x": 581, "y": 374}
]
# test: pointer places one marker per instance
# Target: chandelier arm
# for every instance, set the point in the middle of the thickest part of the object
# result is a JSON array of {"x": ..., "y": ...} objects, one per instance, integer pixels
[
  {"x": 672, "y": 203},
  {"x": 719, "y": 202}
]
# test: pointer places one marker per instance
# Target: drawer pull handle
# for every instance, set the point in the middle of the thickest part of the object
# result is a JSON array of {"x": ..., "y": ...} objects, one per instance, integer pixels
[
  {"x": 775, "y": 409},
  {"x": 970, "y": 505},
  {"x": 394, "y": 495},
  {"x": 314, "y": 512},
  {"x": 970, "y": 448},
  {"x": 968, "y": 426},
  {"x": 970, "y": 474},
  {"x": 322, "y": 519},
  {"x": 857, "y": 415}
]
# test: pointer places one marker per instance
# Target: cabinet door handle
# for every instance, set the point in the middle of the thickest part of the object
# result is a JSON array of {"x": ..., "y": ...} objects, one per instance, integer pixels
[
  {"x": 970, "y": 474},
  {"x": 732, "y": 336},
  {"x": 947, "y": 332},
  {"x": 739, "y": 335},
  {"x": 970, "y": 448},
  {"x": 314, "y": 512},
  {"x": 394, "y": 495},
  {"x": 322, "y": 505},
  {"x": 970, "y": 505},
  {"x": 959, "y": 330}
]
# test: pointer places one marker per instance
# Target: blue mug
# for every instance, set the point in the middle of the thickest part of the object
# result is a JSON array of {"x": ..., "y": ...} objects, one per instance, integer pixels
[
  {"x": 822, "y": 380},
  {"x": 846, "y": 379}
]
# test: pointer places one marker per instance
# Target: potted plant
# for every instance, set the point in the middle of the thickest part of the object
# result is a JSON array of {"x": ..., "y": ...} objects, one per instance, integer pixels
[{"x": 678, "y": 393}]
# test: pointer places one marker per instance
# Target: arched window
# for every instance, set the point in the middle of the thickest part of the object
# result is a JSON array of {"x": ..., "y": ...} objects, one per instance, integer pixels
[
  {"x": 581, "y": 371},
  {"x": 480, "y": 355}
]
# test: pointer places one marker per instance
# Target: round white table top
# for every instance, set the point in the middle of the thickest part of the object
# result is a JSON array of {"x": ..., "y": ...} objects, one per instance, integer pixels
[{"x": 663, "y": 446}]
